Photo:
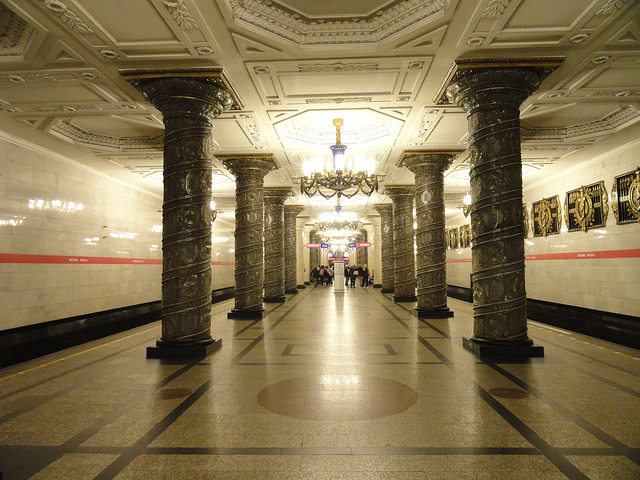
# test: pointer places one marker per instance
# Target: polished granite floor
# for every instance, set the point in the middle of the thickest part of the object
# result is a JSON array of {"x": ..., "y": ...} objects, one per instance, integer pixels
[{"x": 344, "y": 387}]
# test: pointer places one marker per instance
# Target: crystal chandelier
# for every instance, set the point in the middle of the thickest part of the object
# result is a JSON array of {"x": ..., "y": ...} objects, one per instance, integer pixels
[
  {"x": 338, "y": 181},
  {"x": 338, "y": 220}
]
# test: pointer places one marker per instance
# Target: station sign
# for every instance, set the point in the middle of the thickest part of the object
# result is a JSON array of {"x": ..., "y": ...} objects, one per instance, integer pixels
[
  {"x": 317, "y": 245},
  {"x": 354, "y": 245}
]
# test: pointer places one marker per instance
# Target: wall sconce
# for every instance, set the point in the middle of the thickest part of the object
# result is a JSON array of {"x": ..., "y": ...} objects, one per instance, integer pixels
[{"x": 466, "y": 208}]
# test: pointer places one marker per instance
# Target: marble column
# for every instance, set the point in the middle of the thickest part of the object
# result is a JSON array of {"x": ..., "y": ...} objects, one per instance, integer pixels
[
  {"x": 301, "y": 258},
  {"x": 377, "y": 254},
  {"x": 274, "y": 261},
  {"x": 361, "y": 252},
  {"x": 404, "y": 269},
  {"x": 386, "y": 229},
  {"x": 249, "y": 171},
  {"x": 306, "y": 254},
  {"x": 189, "y": 101},
  {"x": 291, "y": 248},
  {"x": 491, "y": 96},
  {"x": 429, "y": 166}
]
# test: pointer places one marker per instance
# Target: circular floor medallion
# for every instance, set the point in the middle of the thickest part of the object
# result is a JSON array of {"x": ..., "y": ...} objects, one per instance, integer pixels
[
  {"x": 337, "y": 397},
  {"x": 170, "y": 393},
  {"x": 513, "y": 393}
]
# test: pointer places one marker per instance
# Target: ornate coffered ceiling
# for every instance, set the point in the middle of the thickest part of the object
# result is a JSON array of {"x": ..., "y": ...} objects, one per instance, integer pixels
[{"x": 297, "y": 64}]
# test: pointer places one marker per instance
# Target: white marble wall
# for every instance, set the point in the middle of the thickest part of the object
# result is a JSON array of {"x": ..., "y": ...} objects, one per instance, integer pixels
[
  {"x": 610, "y": 285},
  {"x": 40, "y": 214}
]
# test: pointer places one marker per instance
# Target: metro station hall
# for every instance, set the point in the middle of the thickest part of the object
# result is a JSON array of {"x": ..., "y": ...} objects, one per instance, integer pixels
[{"x": 302, "y": 240}]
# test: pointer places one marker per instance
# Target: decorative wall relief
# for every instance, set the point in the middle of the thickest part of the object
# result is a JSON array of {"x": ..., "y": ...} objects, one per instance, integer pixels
[
  {"x": 546, "y": 216},
  {"x": 625, "y": 197},
  {"x": 465, "y": 236},
  {"x": 454, "y": 238},
  {"x": 586, "y": 207},
  {"x": 525, "y": 215}
]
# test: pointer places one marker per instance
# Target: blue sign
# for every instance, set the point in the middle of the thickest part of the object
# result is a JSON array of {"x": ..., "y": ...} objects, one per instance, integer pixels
[
  {"x": 352, "y": 245},
  {"x": 324, "y": 245}
]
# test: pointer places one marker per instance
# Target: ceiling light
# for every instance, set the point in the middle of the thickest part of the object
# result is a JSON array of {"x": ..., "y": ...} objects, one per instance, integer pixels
[{"x": 338, "y": 180}]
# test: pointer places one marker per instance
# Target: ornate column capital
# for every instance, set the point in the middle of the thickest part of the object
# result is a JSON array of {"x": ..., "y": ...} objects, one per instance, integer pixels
[
  {"x": 495, "y": 72},
  {"x": 293, "y": 210},
  {"x": 249, "y": 163},
  {"x": 210, "y": 91},
  {"x": 383, "y": 208},
  {"x": 398, "y": 191},
  {"x": 428, "y": 161},
  {"x": 277, "y": 194}
]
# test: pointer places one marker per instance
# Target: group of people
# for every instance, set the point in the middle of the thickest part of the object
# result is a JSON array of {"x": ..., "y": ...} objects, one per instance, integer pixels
[
  {"x": 323, "y": 275},
  {"x": 351, "y": 273}
]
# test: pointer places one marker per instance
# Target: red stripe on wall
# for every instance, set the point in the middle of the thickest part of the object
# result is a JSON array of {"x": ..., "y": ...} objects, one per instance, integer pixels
[
  {"x": 77, "y": 260},
  {"x": 630, "y": 253}
]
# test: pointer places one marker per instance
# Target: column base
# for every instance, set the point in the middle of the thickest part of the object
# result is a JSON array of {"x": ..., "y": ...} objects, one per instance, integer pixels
[
  {"x": 405, "y": 298},
  {"x": 192, "y": 350},
  {"x": 302, "y": 287},
  {"x": 387, "y": 290},
  {"x": 377, "y": 285},
  {"x": 484, "y": 349},
  {"x": 276, "y": 299},
  {"x": 434, "y": 312},
  {"x": 291, "y": 291},
  {"x": 246, "y": 314}
]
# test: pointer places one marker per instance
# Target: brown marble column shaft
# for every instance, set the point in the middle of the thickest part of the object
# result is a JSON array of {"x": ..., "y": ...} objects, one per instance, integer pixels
[
  {"x": 314, "y": 253},
  {"x": 491, "y": 97},
  {"x": 274, "y": 285},
  {"x": 363, "y": 252},
  {"x": 189, "y": 101},
  {"x": 291, "y": 248},
  {"x": 431, "y": 257},
  {"x": 249, "y": 171},
  {"x": 386, "y": 230},
  {"x": 404, "y": 276}
]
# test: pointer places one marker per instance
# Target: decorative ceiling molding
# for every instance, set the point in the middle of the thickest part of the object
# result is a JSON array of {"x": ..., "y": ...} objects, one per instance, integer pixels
[
  {"x": 66, "y": 129},
  {"x": 396, "y": 16},
  {"x": 68, "y": 17},
  {"x": 350, "y": 80},
  {"x": 607, "y": 124},
  {"x": 249, "y": 47},
  {"x": 181, "y": 14},
  {"x": 512, "y": 23},
  {"x": 15, "y": 35}
]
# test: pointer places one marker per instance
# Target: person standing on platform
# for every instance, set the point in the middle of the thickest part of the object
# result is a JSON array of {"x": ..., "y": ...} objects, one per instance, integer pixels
[
  {"x": 353, "y": 273},
  {"x": 364, "y": 275}
]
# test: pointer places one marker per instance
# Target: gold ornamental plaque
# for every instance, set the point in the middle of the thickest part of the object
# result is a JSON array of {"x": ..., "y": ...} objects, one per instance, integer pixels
[
  {"x": 453, "y": 238},
  {"x": 546, "y": 216},
  {"x": 465, "y": 236},
  {"x": 625, "y": 197},
  {"x": 586, "y": 207}
]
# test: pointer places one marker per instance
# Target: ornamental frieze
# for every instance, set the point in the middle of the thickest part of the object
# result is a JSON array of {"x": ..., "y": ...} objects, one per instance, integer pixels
[
  {"x": 586, "y": 207},
  {"x": 546, "y": 216},
  {"x": 625, "y": 197}
]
